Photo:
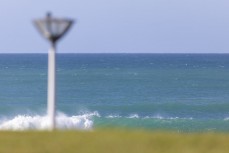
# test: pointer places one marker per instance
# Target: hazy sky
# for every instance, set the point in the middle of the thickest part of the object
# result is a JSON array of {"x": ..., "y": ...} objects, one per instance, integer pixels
[{"x": 120, "y": 26}]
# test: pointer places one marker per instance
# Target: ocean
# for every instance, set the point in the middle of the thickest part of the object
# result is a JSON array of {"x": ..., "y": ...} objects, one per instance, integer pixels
[{"x": 175, "y": 92}]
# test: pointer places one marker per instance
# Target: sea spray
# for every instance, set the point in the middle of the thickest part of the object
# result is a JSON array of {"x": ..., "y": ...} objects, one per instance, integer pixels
[
  {"x": 93, "y": 120},
  {"x": 38, "y": 122}
]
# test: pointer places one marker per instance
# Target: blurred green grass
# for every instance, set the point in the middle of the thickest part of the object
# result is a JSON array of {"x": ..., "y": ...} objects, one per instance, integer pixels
[{"x": 112, "y": 141}]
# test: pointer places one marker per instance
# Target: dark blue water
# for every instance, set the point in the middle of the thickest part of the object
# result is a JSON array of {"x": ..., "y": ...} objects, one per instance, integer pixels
[{"x": 181, "y": 92}]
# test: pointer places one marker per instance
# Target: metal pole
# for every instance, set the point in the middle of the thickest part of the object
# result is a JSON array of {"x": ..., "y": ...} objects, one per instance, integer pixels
[
  {"x": 52, "y": 86},
  {"x": 52, "y": 29}
]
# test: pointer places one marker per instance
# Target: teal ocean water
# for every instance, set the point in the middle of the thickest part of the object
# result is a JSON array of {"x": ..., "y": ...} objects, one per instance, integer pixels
[{"x": 178, "y": 92}]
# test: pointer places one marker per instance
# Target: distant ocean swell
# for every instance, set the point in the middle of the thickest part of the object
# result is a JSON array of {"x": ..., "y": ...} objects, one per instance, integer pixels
[{"x": 93, "y": 120}]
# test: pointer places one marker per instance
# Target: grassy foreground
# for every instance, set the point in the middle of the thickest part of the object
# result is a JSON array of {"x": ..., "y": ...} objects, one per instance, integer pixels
[{"x": 112, "y": 141}]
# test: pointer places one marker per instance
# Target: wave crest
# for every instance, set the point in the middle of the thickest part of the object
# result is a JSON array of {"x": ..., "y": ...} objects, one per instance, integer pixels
[{"x": 37, "y": 122}]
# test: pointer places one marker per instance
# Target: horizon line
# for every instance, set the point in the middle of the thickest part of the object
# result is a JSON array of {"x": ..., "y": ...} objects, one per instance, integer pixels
[{"x": 117, "y": 53}]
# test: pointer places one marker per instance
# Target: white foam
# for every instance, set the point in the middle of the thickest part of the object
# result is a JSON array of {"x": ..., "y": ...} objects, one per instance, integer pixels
[
  {"x": 37, "y": 122},
  {"x": 113, "y": 116},
  {"x": 136, "y": 116},
  {"x": 166, "y": 118},
  {"x": 133, "y": 116}
]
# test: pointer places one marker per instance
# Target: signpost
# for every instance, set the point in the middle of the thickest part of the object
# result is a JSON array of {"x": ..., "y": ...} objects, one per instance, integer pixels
[{"x": 52, "y": 29}]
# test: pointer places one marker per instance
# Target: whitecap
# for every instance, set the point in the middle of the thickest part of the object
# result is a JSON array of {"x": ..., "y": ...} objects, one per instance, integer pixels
[
  {"x": 113, "y": 116},
  {"x": 39, "y": 122},
  {"x": 133, "y": 116}
]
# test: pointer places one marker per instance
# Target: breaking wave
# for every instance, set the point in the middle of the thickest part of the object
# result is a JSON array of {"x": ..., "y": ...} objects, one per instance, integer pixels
[
  {"x": 37, "y": 122},
  {"x": 136, "y": 116},
  {"x": 133, "y": 116},
  {"x": 86, "y": 121}
]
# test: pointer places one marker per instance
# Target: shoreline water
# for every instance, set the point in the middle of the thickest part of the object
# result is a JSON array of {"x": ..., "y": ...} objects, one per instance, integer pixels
[
  {"x": 94, "y": 120},
  {"x": 183, "y": 92}
]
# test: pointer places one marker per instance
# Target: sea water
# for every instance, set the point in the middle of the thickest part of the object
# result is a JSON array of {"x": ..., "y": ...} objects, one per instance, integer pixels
[{"x": 178, "y": 92}]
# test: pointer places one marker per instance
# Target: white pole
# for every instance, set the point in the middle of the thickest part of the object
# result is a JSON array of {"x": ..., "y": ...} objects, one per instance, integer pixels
[{"x": 52, "y": 86}]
